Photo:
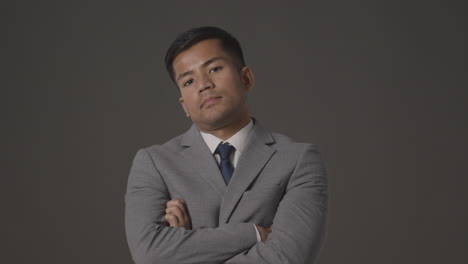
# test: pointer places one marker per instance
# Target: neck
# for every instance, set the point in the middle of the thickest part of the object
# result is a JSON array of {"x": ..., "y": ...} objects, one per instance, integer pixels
[{"x": 229, "y": 130}]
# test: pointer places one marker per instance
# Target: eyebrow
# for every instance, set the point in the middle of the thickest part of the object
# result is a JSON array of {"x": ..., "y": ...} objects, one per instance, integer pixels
[{"x": 206, "y": 63}]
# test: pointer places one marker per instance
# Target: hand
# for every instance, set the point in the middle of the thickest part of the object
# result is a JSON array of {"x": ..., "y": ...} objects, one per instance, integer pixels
[
  {"x": 177, "y": 214},
  {"x": 264, "y": 232}
]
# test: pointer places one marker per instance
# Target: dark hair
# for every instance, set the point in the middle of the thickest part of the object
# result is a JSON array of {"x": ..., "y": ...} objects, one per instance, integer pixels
[{"x": 192, "y": 36}]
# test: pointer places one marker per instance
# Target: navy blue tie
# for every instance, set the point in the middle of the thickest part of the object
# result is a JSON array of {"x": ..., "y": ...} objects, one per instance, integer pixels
[{"x": 224, "y": 151}]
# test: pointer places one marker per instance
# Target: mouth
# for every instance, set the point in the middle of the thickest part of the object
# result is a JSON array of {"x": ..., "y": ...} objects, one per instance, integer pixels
[{"x": 210, "y": 100}]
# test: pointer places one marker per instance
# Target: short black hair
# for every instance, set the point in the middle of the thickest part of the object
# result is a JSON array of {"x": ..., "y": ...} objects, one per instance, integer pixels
[{"x": 192, "y": 36}]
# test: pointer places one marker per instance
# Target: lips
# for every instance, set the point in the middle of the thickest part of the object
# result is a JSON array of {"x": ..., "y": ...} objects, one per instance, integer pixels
[{"x": 210, "y": 100}]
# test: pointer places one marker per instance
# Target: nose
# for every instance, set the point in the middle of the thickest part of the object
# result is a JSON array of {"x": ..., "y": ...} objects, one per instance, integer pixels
[{"x": 205, "y": 83}]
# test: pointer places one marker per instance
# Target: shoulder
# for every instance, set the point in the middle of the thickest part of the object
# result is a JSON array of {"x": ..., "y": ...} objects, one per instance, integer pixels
[
  {"x": 299, "y": 154},
  {"x": 283, "y": 142},
  {"x": 174, "y": 144},
  {"x": 279, "y": 141},
  {"x": 166, "y": 149}
]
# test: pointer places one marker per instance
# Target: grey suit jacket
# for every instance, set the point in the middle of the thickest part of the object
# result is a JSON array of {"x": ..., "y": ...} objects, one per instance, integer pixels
[{"x": 277, "y": 183}]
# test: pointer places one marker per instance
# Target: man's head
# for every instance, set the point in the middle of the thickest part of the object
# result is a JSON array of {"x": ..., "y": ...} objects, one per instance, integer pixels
[
  {"x": 212, "y": 78},
  {"x": 192, "y": 36}
]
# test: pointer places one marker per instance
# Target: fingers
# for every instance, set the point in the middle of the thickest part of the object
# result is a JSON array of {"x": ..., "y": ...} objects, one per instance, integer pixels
[
  {"x": 177, "y": 211},
  {"x": 177, "y": 208},
  {"x": 264, "y": 232},
  {"x": 172, "y": 220},
  {"x": 179, "y": 203}
]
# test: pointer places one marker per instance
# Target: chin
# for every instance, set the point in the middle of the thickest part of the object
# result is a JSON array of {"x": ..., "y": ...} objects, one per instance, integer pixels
[{"x": 215, "y": 121}]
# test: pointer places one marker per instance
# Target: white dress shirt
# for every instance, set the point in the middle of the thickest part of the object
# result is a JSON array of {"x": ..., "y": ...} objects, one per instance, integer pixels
[{"x": 238, "y": 141}]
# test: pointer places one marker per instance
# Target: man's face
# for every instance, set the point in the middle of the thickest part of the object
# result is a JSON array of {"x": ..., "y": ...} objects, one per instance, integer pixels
[{"x": 213, "y": 88}]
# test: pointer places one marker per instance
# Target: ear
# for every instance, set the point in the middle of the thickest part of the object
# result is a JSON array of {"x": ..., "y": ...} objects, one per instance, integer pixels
[
  {"x": 247, "y": 77},
  {"x": 181, "y": 101}
]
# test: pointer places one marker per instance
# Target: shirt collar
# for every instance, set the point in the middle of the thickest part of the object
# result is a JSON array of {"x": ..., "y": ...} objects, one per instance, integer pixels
[{"x": 238, "y": 140}]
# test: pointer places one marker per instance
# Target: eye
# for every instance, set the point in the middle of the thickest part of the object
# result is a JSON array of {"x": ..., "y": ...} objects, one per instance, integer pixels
[
  {"x": 215, "y": 69},
  {"x": 188, "y": 82}
]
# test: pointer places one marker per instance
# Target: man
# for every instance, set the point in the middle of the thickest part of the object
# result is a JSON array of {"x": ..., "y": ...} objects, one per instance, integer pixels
[{"x": 228, "y": 190}]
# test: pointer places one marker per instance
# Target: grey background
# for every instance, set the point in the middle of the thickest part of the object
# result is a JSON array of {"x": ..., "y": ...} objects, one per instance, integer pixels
[{"x": 381, "y": 86}]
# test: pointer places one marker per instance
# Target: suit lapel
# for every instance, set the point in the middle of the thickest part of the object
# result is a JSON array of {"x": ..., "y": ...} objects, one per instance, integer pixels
[
  {"x": 252, "y": 160},
  {"x": 199, "y": 156}
]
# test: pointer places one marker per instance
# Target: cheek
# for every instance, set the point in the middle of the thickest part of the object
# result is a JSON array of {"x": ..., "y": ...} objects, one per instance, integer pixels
[
  {"x": 227, "y": 76},
  {"x": 190, "y": 102}
]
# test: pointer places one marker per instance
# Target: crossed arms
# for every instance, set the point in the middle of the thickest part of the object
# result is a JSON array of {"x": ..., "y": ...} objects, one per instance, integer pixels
[
  {"x": 159, "y": 230},
  {"x": 177, "y": 215}
]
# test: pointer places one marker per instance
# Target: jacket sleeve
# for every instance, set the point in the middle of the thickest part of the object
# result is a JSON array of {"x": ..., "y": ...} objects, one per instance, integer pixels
[
  {"x": 299, "y": 224},
  {"x": 151, "y": 241}
]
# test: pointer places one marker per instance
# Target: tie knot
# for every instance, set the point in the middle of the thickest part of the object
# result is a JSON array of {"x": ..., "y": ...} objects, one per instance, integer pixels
[{"x": 224, "y": 150}]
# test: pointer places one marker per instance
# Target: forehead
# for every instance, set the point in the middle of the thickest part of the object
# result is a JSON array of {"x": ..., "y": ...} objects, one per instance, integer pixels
[{"x": 199, "y": 53}]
